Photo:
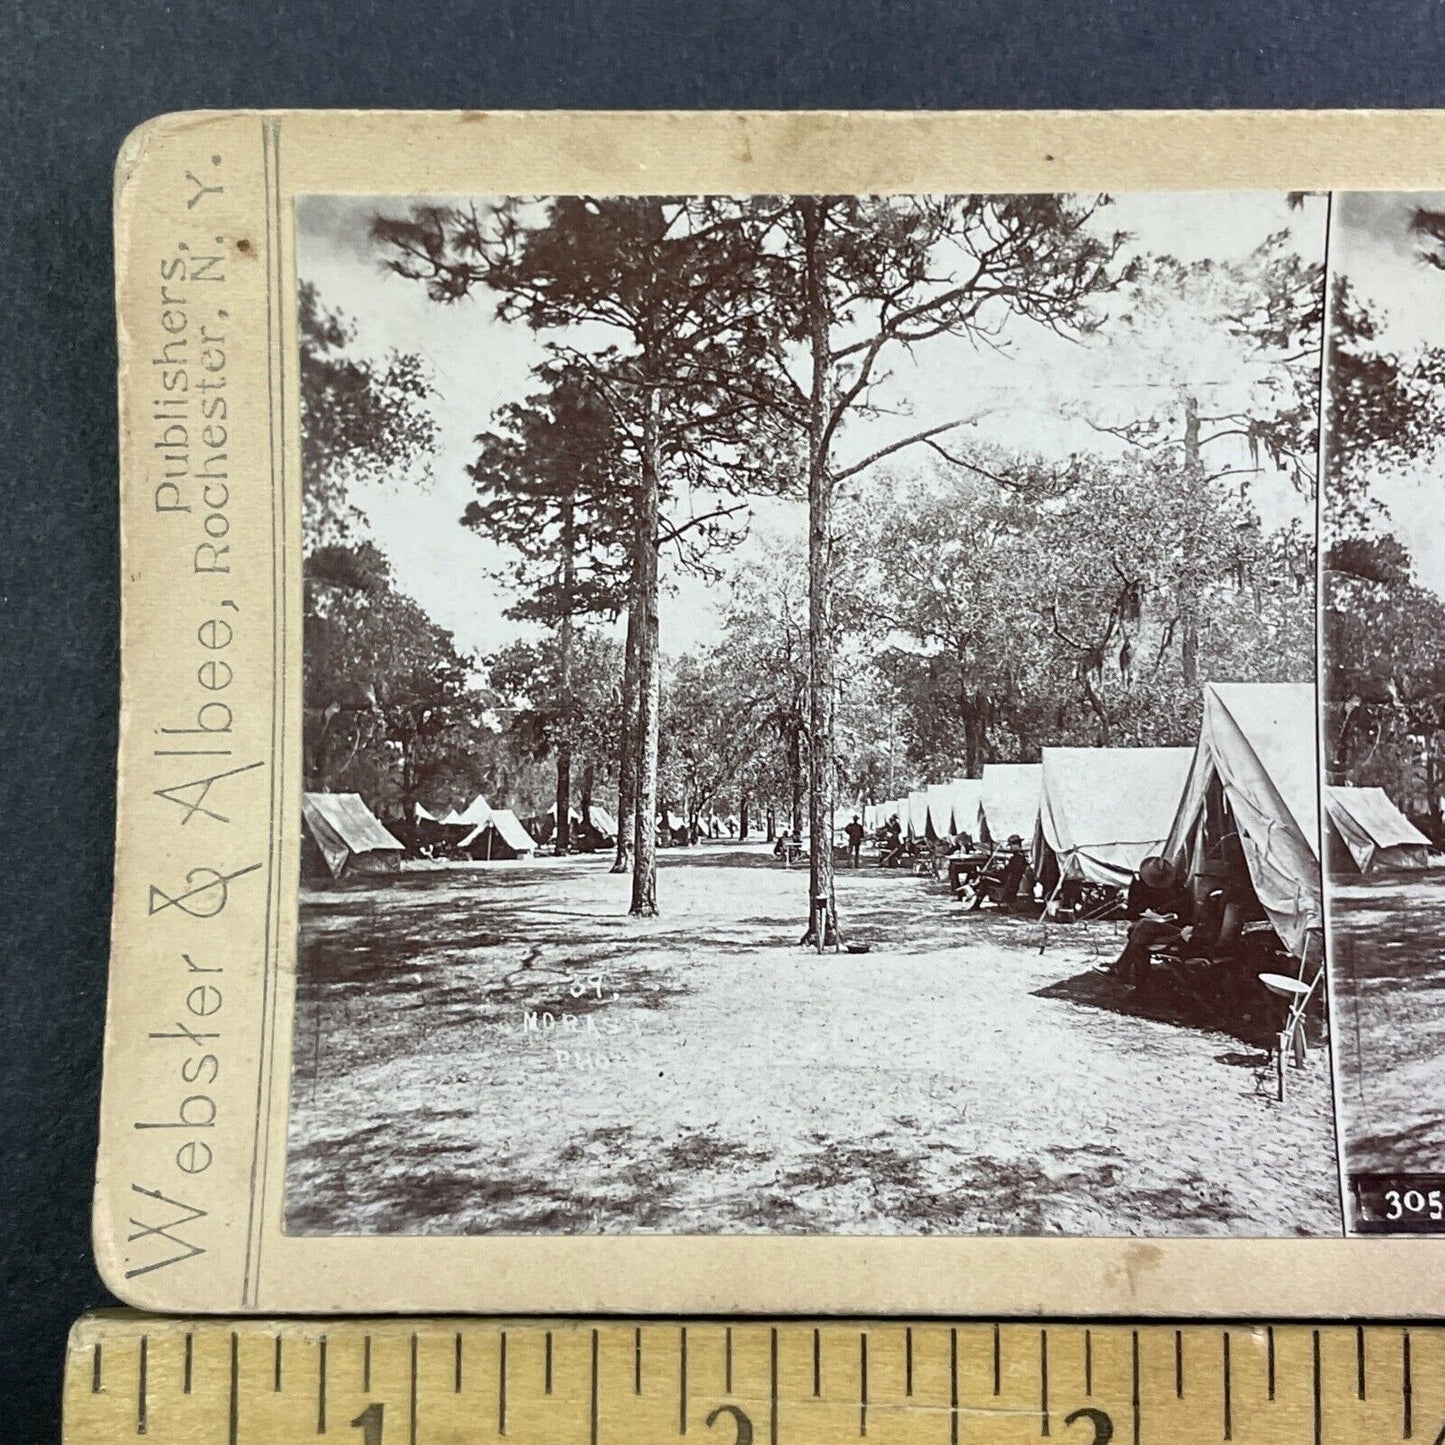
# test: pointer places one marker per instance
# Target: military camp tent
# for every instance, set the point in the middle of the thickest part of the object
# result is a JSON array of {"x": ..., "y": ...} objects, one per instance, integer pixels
[
  {"x": 501, "y": 836},
  {"x": 1254, "y": 775},
  {"x": 476, "y": 813},
  {"x": 1008, "y": 802},
  {"x": 425, "y": 832},
  {"x": 966, "y": 792},
  {"x": 940, "y": 810},
  {"x": 915, "y": 818},
  {"x": 602, "y": 833},
  {"x": 1374, "y": 832},
  {"x": 603, "y": 823},
  {"x": 1102, "y": 811},
  {"x": 341, "y": 835}
]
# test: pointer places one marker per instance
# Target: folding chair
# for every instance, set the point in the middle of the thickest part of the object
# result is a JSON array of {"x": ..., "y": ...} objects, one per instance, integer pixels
[{"x": 1291, "y": 1040}]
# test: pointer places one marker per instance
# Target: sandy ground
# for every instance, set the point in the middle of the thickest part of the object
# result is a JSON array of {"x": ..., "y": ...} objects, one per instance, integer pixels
[
  {"x": 1387, "y": 933},
  {"x": 499, "y": 1048}
]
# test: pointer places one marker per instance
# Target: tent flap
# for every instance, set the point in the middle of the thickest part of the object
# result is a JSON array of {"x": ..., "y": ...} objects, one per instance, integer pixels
[{"x": 1258, "y": 740}]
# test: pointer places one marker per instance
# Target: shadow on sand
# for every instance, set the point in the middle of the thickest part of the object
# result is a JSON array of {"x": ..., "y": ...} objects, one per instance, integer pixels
[{"x": 1251, "y": 1021}]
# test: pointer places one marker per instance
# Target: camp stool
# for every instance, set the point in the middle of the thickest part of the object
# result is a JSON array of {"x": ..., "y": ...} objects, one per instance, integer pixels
[{"x": 1291, "y": 1039}]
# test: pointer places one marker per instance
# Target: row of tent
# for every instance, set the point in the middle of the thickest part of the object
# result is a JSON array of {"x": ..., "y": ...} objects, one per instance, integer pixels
[
  {"x": 340, "y": 834},
  {"x": 515, "y": 837},
  {"x": 1252, "y": 776}
]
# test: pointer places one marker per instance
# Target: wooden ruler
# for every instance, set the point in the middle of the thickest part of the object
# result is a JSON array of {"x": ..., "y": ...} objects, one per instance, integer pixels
[{"x": 585, "y": 1382}]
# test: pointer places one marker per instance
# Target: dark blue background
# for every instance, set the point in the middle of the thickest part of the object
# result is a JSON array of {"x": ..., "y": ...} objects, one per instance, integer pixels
[{"x": 75, "y": 77}]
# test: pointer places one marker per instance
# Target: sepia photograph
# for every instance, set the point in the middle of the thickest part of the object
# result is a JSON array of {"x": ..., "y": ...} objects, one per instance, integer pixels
[
  {"x": 810, "y": 717},
  {"x": 1383, "y": 683}
]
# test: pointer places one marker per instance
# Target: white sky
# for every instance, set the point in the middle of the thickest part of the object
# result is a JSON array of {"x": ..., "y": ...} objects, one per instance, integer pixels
[
  {"x": 1028, "y": 391},
  {"x": 1371, "y": 244}
]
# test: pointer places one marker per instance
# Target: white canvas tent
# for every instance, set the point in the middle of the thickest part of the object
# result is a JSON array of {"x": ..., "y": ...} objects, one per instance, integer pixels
[
  {"x": 603, "y": 822},
  {"x": 915, "y": 819},
  {"x": 1008, "y": 801},
  {"x": 341, "y": 834},
  {"x": 425, "y": 815},
  {"x": 1374, "y": 831},
  {"x": 1257, "y": 759},
  {"x": 1102, "y": 811},
  {"x": 966, "y": 794},
  {"x": 476, "y": 813},
  {"x": 501, "y": 836},
  {"x": 604, "y": 825},
  {"x": 940, "y": 809}
]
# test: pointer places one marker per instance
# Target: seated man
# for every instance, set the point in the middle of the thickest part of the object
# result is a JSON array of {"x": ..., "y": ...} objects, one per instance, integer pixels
[
  {"x": 1167, "y": 911},
  {"x": 1001, "y": 880}
]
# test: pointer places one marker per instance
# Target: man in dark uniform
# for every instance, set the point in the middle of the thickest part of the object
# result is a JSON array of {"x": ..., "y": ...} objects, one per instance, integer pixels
[
  {"x": 1165, "y": 910},
  {"x": 856, "y": 832}
]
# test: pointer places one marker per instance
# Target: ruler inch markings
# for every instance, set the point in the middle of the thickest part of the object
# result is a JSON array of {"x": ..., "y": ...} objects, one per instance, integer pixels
[
  {"x": 953, "y": 1381},
  {"x": 862, "y": 1382},
  {"x": 142, "y": 1385},
  {"x": 243, "y": 1382},
  {"x": 594, "y": 1393},
  {"x": 1228, "y": 1394},
  {"x": 1407, "y": 1388},
  {"x": 1044, "y": 1382},
  {"x": 501, "y": 1379},
  {"x": 773, "y": 1386}
]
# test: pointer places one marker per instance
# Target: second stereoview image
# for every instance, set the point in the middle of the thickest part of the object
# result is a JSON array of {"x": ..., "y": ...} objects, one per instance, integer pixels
[
  {"x": 811, "y": 726},
  {"x": 1383, "y": 686}
]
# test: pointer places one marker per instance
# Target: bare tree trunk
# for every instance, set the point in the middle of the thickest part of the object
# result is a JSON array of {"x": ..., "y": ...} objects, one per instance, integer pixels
[
  {"x": 562, "y": 832},
  {"x": 822, "y": 665},
  {"x": 772, "y": 822},
  {"x": 795, "y": 782},
  {"x": 584, "y": 799},
  {"x": 1096, "y": 706},
  {"x": 649, "y": 673},
  {"x": 408, "y": 783},
  {"x": 627, "y": 766},
  {"x": 1189, "y": 603},
  {"x": 971, "y": 743},
  {"x": 743, "y": 818},
  {"x": 562, "y": 838}
]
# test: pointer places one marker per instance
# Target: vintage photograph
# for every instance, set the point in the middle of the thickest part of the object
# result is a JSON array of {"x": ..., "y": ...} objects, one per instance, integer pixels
[
  {"x": 1383, "y": 679},
  {"x": 810, "y": 719}
]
